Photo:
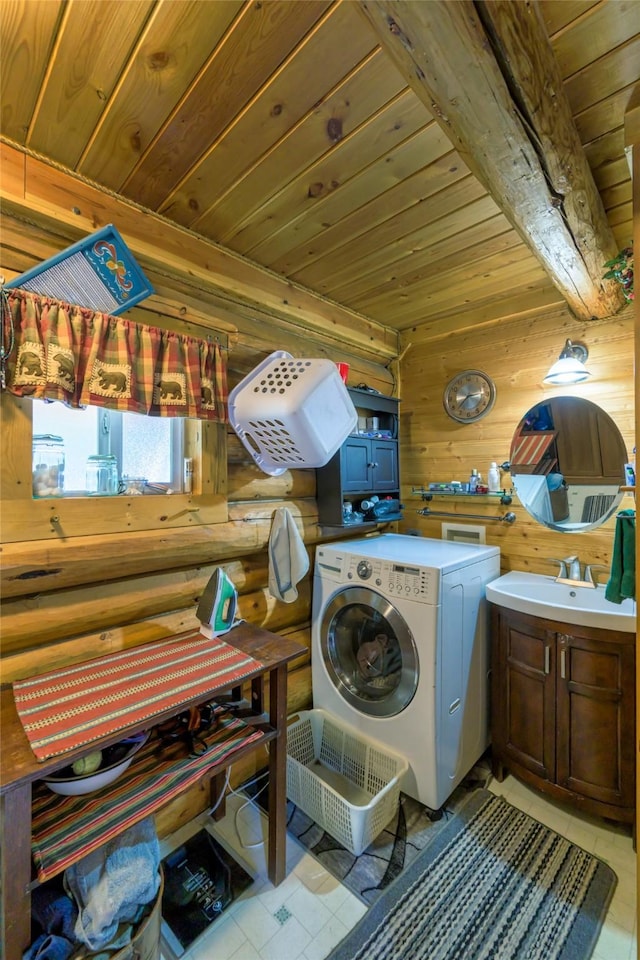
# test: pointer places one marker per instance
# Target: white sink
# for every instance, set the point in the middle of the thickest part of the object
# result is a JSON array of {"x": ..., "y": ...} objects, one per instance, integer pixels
[{"x": 542, "y": 596}]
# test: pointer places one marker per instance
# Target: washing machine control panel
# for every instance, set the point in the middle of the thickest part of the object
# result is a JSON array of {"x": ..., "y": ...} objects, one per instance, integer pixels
[{"x": 395, "y": 579}]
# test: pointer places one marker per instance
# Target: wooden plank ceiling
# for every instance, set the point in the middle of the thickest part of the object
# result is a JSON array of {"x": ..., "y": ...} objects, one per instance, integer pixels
[{"x": 351, "y": 146}]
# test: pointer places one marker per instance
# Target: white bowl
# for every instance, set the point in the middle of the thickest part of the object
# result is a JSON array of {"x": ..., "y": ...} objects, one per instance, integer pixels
[{"x": 70, "y": 784}]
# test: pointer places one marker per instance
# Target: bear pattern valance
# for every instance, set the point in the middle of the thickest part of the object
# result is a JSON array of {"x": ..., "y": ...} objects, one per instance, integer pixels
[{"x": 57, "y": 351}]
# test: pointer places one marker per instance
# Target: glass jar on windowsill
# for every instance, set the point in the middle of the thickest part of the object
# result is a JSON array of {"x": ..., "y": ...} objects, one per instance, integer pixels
[
  {"x": 134, "y": 486},
  {"x": 102, "y": 476},
  {"x": 48, "y": 466}
]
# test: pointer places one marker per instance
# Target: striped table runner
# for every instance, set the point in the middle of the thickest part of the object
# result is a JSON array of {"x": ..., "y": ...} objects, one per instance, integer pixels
[
  {"x": 65, "y": 829},
  {"x": 76, "y": 705}
]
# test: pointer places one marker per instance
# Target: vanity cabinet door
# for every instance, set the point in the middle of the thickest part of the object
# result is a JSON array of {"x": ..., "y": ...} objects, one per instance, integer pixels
[
  {"x": 523, "y": 693},
  {"x": 595, "y": 716}
]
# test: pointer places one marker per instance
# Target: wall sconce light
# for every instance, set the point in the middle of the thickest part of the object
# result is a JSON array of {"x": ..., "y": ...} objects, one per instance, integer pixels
[{"x": 569, "y": 367}]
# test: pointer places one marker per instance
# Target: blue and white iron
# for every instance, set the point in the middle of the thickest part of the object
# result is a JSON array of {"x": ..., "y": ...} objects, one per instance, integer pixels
[{"x": 217, "y": 608}]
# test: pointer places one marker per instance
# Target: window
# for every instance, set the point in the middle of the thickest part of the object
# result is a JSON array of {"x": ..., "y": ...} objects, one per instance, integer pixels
[{"x": 148, "y": 447}]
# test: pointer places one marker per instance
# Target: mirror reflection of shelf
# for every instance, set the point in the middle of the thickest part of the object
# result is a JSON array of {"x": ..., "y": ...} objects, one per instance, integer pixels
[{"x": 534, "y": 452}]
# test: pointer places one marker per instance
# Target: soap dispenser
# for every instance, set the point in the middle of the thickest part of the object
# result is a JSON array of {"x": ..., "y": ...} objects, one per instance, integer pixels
[
  {"x": 493, "y": 478},
  {"x": 473, "y": 481}
]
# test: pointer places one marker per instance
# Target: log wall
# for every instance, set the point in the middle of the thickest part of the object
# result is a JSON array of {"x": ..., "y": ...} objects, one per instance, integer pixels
[
  {"x": 84, "y": 577},
  {"x": 94, "y": 584},
  {"x": 516, "y": 351}
]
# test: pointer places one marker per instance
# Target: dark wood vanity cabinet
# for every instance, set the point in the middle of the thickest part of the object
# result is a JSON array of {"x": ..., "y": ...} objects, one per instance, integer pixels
[{"x": 563, "y": 711}]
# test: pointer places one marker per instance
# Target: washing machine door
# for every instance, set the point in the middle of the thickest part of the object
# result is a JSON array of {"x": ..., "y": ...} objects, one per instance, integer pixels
[{"x": 369, "y": 652}]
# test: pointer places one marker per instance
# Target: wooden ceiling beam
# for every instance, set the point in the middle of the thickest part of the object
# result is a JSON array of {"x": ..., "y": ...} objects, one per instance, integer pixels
[{"x": 487, "y": 71}]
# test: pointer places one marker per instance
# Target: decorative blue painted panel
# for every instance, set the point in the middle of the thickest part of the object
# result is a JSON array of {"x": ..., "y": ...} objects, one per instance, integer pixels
[{"x": 98, "y": 272}]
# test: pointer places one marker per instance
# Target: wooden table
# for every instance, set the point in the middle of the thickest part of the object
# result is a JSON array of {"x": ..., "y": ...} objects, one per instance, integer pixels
[{"x": 19, "y": 770}]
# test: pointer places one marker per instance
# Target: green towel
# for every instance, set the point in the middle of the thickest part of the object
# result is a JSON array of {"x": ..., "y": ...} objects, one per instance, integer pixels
[{"x": 622, "y": 581}]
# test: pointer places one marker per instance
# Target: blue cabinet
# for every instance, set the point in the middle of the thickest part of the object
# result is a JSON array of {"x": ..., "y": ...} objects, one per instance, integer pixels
[{"x": 366, "y": 466}]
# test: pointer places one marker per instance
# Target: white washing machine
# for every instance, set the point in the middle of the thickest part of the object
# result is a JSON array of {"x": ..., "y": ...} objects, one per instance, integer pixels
[{"x": 400, "y": 650}]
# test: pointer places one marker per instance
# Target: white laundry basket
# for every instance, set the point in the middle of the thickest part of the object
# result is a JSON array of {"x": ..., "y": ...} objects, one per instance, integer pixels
[
  {"x": 347, "y": 784},
  {"x": 292, "y": 413}
]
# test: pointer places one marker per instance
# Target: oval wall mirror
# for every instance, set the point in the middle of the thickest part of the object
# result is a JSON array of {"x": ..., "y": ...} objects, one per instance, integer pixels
[{"x": 567, "y": 464}]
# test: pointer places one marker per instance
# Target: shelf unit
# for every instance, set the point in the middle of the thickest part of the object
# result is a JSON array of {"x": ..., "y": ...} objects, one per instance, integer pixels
[
  {"x": 366, "y": 465},
  {"x": 20, "y": 773}
]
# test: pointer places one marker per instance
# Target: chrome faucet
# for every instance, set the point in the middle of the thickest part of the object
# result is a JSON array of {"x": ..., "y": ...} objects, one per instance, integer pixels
[
  {"x": 569, "y": 571},
  {"x": 573, "y": 566},
  {"x": 569, "y": 568}
]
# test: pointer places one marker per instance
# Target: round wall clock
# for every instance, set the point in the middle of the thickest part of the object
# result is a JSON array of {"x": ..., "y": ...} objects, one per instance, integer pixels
[{"x": 469, "y": 396}]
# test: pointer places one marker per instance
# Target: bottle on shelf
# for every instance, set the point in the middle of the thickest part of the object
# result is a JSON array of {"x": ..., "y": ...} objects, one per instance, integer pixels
[
  {"x": 493, "y": 478},
  {"x": 473, "y": 481}
]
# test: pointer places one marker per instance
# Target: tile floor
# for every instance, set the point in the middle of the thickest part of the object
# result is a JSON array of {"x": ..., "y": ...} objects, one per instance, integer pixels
[{"x": 307, "y": 915}]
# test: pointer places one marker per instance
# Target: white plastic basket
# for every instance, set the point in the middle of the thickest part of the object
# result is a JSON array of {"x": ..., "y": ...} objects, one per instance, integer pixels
[
  {"x": 292, "y": 413},
  {"x": 326, "y": 762}
]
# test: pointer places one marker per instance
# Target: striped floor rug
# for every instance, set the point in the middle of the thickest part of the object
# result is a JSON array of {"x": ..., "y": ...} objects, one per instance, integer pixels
[{"x": 494, "y": 884}]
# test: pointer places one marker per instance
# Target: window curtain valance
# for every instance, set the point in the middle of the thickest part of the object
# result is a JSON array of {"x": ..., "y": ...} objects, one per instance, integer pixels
[{"x": 57, "y": 351}]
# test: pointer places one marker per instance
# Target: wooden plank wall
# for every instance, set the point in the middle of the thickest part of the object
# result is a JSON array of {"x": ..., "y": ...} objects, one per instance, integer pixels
[{"x": 516, "y": 352}]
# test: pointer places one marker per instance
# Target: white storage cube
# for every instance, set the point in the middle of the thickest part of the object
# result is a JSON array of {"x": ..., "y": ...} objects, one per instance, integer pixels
[{"x": 292, "y": 413}]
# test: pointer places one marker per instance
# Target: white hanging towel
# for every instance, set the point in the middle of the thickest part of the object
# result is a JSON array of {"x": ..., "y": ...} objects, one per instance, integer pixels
[{"x": 288, "y": 558}]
